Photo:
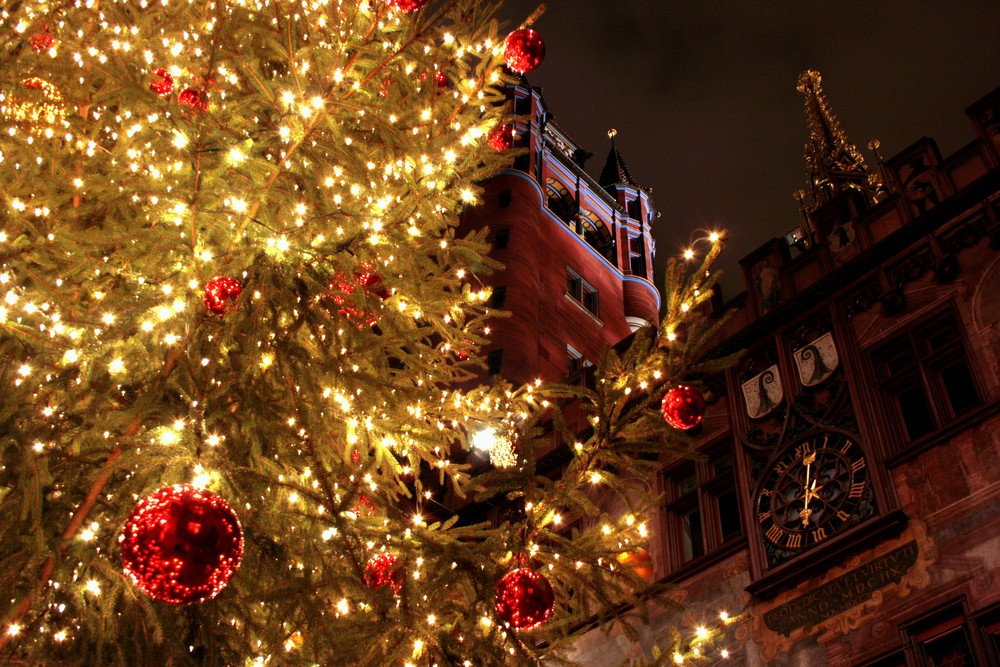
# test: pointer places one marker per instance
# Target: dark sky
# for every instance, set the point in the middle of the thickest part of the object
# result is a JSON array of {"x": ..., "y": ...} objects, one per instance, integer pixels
[{"x": 703, "y": 96}]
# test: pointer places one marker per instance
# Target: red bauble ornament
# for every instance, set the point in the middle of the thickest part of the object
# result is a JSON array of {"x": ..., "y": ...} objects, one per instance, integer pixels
[
  {"x": 683, "y": 407},
  {"x": 196, "y": 99},
  {"x": 162, "y": 83},
  {"x": 368, "y": 278},
  {"x": 639, "y": 561},
  {"x": 524, "y": 599},
  {"x": 221, "y": 293},
  {"x": 342, "y": 287},
  {"x": 406, "y": 5},
  {"x": 523, "y": 50},
  {"x": 42, "y": 41},
  {"x": 384, "y": 570},
  {"x": 501, "y": 137},
  {"x": 181, "y": 544}
]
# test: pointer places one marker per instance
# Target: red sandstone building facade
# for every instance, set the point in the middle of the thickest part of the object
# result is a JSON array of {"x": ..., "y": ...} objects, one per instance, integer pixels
[
  {"x": 849, "y": 501},
  {"x": 577, "y": 251}
]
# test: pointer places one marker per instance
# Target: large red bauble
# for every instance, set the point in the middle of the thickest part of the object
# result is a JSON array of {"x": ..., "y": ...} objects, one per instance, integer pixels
[
  {"x": 524, "y": 598},
  {"x": 383, "y": 570},
  {"x": 221, "y": 293},
  {"x": 501, "y": 137},
  {"x": 181, "y": 544},
  {"x": 406, "y": 5},
  {"x": 683, "y": 407},
  {"x": 523, "y": 50}
]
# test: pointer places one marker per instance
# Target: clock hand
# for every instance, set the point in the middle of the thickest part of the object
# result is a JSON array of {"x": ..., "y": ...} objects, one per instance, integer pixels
[
  {"x": 805, "y": 513},
  {"x": 808, "y": 460}
]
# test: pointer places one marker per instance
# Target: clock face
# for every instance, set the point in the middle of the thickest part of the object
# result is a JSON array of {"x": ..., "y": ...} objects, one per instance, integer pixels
[{"x": 813, "y": 491}]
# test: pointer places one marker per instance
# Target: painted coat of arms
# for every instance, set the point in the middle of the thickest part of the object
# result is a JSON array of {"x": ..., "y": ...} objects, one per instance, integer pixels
[
  {"x": 817, "y": 361},
  {"x": 763, "y": 393}
]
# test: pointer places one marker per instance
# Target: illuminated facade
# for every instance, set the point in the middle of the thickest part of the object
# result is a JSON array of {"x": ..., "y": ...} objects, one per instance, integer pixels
[
  {"x": 577, "y": 251},
  {"x": 849, "y": 502}
]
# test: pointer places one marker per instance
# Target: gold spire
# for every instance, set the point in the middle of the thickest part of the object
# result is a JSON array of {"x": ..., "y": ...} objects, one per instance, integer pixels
[{"x": 833, "y": 164}]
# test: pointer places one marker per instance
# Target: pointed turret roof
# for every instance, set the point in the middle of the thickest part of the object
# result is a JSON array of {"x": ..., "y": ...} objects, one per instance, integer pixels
[
  {"x": 833, "y": 163},
  {"x": 615, "y": 170}
]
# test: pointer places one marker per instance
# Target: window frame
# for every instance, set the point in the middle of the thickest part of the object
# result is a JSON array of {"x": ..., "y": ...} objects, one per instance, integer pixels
[
  {"x": 704, "y": 497},
  {"x": 582, "y": 292},
  {"x": 910, "y": 364}
]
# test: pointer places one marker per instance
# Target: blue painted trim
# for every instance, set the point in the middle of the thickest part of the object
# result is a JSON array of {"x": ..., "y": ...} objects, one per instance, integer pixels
[{"x": 561, "y": 225}]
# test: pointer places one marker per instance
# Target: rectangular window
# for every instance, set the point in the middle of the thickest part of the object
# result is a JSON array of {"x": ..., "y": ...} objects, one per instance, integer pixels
[
  {"x": 926, "y": 373},
  {"x": 703, "y": 511},
  {"x": 635, "y": 209},
  {"x": 498, "y": 297},
  {"x": 494, "y": 362},
  {"x": 944, "y": 639},
  {"x": 575, "y": 363},
  {"x": 504, "y": 199},
  {"x": 582, "y": 291},
  {"x": 501, "y": 239}
]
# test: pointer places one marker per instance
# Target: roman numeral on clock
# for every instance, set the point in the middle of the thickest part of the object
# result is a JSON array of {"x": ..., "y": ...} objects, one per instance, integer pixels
[
  {"x": 794, "y": 541},
  {"x": 857, "y": 490},
  {"x": 773, "y": 533}
]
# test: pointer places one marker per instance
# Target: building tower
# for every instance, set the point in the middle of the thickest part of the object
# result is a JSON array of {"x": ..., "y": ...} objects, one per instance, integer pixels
[{"x": 577, "y": 252}]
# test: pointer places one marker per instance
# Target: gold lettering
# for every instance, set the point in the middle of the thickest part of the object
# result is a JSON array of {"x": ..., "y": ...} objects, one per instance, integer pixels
[
  {"x": 857, "y": 465},
  {"x": 819, "y": 534},
  {"x": 764, "y": 516},
  {"x": 842, "y": 515},
  {"x": 794, "y": 541},
  {"x": 857, "y": 490},
  {"x": 773, "y": 533}
]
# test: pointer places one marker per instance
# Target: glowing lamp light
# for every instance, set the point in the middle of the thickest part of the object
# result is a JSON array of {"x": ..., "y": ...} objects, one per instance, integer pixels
[{"x": 484, "y": 439}]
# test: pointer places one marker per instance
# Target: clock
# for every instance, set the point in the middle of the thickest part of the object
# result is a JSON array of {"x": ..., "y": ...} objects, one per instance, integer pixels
[{"x": 816, "y": 488}]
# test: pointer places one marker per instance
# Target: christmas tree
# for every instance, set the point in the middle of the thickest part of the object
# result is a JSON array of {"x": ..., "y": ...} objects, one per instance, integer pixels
[{"x": 239, "y": 370}]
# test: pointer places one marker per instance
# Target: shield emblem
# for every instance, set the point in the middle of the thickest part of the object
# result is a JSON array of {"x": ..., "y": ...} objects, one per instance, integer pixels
[
  {"x": 817, "y": 361},
  {"x": 763, "y": 393}
]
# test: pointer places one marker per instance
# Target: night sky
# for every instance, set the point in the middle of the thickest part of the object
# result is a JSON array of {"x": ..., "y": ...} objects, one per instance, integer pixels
[{"x": 703, "y": 96}]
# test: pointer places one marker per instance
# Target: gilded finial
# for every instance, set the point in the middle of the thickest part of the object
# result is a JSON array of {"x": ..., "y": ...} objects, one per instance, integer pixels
[
  {"x": 612, "y": 133},
  {"x": 833, "y": 163}
]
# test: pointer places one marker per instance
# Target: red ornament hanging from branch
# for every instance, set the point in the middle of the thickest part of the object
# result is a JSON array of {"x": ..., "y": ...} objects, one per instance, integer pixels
[
  {"x": 406, "y": 6},
  {"x": 523, "y": 50},
  {"x": 195, "y": 99},
  {"x": 524, "y": 599},
  {"x": 384, "y": 570},
  {"x": 42, "y": 41},
  {"x": 221, "y": 294},
  {"x": 683, "y": 407},
  {"x": 162, "y": 83},
  {"x": 181, "y": 544},
  {"x": 501, "y": 137}
]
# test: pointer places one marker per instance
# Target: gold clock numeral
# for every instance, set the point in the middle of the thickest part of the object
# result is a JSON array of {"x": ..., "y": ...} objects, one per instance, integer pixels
[
  {"x": 781, "y": 468},
  {"x": 857, "y": 465},
  {"x": 794, "y": 541},
  {"x": 842, "y": 515},
  {"x": 819, "y": 534},
  {"x": 766, "y": 493},
  {"x": 773, "y": 533},
  {"x": 857, "y": 490},
  {"x": 846, "y": 447},
  {"x": 803, "y": 449},
  {"x": 764, "y": 516}
]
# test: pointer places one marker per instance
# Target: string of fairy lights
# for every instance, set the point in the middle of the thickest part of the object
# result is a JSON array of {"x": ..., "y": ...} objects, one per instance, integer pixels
[{"x": 154, "y": 151}]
